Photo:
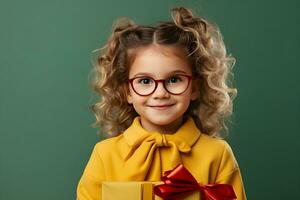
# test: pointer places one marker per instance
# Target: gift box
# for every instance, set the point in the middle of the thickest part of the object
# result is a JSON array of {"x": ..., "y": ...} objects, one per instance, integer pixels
[
  {"x": 142, "y": 190},
  {"x": 178, "y": 184}
]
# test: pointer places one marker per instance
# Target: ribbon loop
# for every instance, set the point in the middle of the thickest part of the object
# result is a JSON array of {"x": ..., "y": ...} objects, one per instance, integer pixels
[{"x": 179, "y": 183}]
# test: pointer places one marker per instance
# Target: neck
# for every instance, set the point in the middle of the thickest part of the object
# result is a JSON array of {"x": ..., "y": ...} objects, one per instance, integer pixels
[{"x": 164, "y": 129}]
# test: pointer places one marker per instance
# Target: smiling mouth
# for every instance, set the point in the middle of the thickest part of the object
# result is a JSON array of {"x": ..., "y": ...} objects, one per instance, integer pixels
[{"x": 162, "y": 106}]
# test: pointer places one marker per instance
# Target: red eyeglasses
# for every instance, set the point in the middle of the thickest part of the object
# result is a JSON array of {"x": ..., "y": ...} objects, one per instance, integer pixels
[{"x": 175, "y": 84}]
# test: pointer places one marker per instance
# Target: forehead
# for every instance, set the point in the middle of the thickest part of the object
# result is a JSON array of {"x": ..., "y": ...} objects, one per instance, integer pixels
[{"x": 159, "y": 61}]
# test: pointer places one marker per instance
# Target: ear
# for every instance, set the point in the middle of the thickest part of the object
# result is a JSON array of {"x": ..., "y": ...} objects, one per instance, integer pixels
[
  {"x": 128, "y": 94},
  {"x": 195, "y": 89}
]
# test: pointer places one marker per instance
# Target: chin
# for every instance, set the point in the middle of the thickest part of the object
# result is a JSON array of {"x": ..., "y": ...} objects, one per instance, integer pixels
[{"x": 160, "y": 120}]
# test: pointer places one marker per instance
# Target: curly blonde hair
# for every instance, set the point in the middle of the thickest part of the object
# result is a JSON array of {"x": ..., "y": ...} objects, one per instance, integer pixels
[{"x": 204, "y": 45}]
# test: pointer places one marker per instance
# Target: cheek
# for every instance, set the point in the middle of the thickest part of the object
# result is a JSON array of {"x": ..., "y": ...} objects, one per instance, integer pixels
[
  {"x": 184, "y": 98},
  {"x": 186, "y": 95},
  {"x": 138, "y": 100},
  {"x": 139, "y": 104}
]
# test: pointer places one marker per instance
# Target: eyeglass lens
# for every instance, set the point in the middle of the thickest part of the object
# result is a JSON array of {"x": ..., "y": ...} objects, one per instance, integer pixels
[{"x": 175, "y": 84}]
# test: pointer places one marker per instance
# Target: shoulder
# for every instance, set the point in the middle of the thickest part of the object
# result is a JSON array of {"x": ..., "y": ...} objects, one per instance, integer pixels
[
  {"x": 217, "y": 149},
  {"x": 108, "y": 143},
  {"x": 211, "y": 143},
  {"x": 111, "y": 147}
]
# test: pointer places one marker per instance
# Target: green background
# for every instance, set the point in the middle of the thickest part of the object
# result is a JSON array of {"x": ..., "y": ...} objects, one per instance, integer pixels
[{"x": 45, "y": 50}]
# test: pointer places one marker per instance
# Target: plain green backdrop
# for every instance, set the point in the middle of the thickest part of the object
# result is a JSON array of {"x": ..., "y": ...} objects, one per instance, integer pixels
[{"x": 45, "y": 50}]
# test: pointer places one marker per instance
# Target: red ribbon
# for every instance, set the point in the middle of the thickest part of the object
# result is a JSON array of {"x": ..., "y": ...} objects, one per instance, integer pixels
[{"x": 179, "y": 183}]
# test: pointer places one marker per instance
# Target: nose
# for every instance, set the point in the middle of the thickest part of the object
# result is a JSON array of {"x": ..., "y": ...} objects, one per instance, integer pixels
[{"x": 160, "y": 91}]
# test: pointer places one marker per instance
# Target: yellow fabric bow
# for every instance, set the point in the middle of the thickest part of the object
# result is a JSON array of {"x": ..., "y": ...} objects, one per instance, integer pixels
[{"x": 145, "y": 158}]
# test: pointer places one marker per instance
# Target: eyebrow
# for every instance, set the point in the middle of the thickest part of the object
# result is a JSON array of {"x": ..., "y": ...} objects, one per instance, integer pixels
[{"x": 149, "y": 74}]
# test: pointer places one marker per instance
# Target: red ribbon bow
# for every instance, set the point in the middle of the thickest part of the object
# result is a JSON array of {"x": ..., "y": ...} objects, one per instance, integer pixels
[{"x": 179, "y": 183}]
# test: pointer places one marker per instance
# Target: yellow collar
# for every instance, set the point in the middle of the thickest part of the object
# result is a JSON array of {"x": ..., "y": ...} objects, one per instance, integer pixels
[{"x": 188, "y": 132}]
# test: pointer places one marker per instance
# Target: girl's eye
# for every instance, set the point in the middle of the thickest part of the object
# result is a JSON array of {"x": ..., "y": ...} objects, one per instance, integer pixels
[
  {"x": 174, "y": 79},
  {"x": 145, "y": 80}
]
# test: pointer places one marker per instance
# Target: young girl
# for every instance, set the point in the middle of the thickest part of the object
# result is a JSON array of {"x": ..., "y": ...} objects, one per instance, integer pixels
[{"x": 164, "y": 101}]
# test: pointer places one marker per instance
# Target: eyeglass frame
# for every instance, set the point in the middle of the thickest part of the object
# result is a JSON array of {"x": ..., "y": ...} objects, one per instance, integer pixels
[{"x": 156, "y": 84}]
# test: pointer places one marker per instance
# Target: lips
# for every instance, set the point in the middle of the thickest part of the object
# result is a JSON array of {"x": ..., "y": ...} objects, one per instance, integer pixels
[{"x": 162, "y": 107}]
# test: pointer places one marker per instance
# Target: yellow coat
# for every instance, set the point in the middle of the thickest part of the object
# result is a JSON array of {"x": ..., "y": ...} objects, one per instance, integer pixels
[{"x": 140, "y": 155}]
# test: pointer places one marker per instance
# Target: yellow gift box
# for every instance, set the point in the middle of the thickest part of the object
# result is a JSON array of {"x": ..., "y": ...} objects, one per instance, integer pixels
[{"x": 135, "y": 190}]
